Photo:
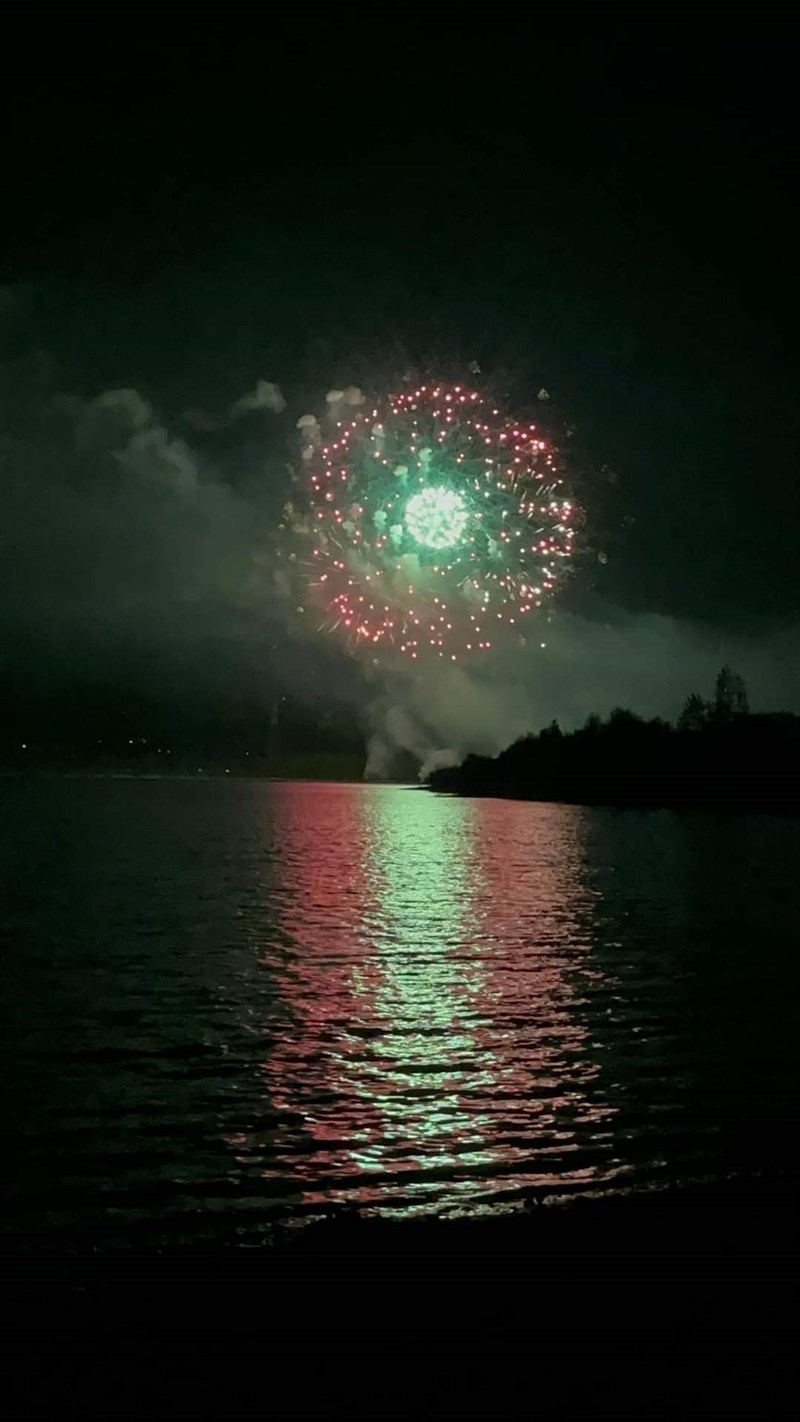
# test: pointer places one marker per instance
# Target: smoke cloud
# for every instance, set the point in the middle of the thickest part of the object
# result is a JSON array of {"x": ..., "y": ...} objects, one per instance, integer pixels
[
  {"x": 122, "y": 542},
  {"x": 266, "y": 396}
]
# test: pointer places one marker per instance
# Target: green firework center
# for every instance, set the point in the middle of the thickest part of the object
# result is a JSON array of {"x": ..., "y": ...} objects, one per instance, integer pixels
[{"x": 436, "y": 517}]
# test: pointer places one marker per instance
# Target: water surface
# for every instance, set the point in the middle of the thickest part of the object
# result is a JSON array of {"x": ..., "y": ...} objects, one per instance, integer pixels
[{"x": 234, "y": 1005}]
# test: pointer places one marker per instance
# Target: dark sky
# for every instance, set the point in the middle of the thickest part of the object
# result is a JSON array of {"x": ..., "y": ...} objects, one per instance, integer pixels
[{"x": 605, "y": 209}]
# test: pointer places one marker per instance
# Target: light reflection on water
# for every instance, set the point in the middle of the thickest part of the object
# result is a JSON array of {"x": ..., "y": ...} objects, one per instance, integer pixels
[
  {"x": 439, "y": 1042},
  {"x": 233, "y": 1004}
]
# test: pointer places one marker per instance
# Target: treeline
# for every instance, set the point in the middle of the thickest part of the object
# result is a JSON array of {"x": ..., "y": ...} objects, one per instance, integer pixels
[{"x": 717, "y": 755}]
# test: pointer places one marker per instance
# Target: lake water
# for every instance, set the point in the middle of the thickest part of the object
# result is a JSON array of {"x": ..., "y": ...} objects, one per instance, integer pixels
[{"x": 233, "y": 1005}]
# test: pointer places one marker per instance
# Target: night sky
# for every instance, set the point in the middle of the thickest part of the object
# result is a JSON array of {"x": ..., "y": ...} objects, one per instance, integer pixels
[{"x": 605, "y": 211}]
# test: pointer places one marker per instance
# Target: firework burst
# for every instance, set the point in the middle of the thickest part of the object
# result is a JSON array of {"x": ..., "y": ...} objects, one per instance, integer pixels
[{"x": 439, "y": 525}]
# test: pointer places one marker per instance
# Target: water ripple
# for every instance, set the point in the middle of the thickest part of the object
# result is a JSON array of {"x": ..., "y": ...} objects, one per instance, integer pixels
[{"x": 255, "y": 1003}]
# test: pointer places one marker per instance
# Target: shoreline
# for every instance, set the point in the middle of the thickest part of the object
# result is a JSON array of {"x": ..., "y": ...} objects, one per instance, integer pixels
[
  {"x": 691, "y": 1283},
  {"x": 590, "y": 1225},
  {"x": 783, "y": 809}
]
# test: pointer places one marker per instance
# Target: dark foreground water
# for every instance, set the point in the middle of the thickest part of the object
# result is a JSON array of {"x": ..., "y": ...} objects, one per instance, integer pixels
[{"x": 228, "y": 1006}]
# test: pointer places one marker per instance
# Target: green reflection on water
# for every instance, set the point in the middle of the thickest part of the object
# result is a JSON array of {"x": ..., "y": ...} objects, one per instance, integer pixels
[
  {"x": 432, "y": 1039},
  {"x": 424, "y": 868}
]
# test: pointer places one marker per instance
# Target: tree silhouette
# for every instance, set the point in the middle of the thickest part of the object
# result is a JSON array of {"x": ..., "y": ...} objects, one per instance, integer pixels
[
  {"x": 730, "y": 695},
  {"x": 719, "y": 756},
  {"x": 622, "y": 718},
  {"x": 694, "y": 713},
  {"x": 551, "y": 733}
]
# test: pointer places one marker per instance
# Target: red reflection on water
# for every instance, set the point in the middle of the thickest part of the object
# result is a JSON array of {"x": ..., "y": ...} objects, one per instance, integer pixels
[
  {"x": 429, "y": 1045},
  {"x": 535, "y": 906}
]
